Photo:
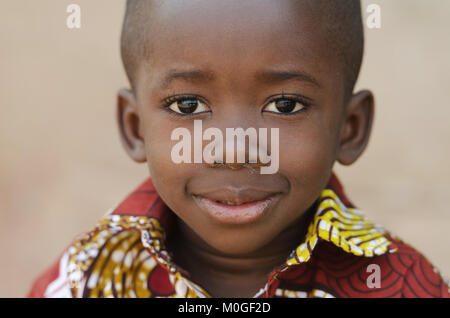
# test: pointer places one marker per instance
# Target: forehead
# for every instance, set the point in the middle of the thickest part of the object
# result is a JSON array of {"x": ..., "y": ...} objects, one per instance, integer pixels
[{"x": 238, "y": 37}]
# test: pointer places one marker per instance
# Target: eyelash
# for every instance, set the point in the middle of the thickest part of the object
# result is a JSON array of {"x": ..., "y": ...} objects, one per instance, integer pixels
[
  {"x": 296, "y": 98},
  {"x": 180, "y": 97}
]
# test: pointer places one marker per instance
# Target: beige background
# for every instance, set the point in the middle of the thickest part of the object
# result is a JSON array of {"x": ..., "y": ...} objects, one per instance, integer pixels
[{"x": 62, "y": 166}]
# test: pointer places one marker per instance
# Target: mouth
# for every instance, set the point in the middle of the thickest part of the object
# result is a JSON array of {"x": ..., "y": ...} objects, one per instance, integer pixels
[{"x": 236, "y": 208}]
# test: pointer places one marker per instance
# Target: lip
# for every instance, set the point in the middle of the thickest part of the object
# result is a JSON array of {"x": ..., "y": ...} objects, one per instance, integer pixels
[{"x": 245, "y": 206}]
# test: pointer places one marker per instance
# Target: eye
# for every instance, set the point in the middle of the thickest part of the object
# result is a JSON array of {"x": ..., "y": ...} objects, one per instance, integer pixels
[
  {"x": 285, "y": 106},
  {"x": 187, "y": 105}
]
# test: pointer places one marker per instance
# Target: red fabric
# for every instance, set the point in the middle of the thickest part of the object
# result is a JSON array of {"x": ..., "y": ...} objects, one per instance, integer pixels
[
  {"x": 159, "y": 282},
  {"x": 405, "y": 273}
]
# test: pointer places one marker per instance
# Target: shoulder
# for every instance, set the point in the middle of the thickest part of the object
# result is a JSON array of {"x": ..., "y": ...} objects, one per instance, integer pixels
[
  {"x": 402, "y": 273},
  {"x": 420, "y": 277},
  {"x": 53, "y": 282},
  {"x": 89, "y": 255},
  {"x": 105, "y": 261}
]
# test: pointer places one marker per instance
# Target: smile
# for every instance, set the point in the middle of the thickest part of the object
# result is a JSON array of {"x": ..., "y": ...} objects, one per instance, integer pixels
[{"x": 231, "y": 208}]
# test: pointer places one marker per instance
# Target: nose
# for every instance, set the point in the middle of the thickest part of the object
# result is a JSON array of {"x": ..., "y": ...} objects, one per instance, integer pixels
[
  {"x": 245, "y": 141},
  {"x": 240, "y": 149}
]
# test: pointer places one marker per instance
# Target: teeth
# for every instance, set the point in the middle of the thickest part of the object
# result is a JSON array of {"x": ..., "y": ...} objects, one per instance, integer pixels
[{"x": 229, "y": 203}]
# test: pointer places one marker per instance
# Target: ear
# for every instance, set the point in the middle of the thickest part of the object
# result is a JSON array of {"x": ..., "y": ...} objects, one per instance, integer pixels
[
  {"x": 357, "y": 126},
  {"x": 129, "y": 125}
]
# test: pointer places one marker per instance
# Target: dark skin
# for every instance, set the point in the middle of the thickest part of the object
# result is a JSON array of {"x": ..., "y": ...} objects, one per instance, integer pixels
[{"x": 239, "y": 43}]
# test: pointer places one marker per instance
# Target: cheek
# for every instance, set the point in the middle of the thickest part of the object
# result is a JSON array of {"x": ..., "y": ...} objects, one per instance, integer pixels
[
  {"x": 306, "y": 158},
  {"x": 168, "y": 177}
]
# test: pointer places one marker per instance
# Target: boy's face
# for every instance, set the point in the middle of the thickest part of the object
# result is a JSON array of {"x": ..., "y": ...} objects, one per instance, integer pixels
[{"x": 249, "y": 59}]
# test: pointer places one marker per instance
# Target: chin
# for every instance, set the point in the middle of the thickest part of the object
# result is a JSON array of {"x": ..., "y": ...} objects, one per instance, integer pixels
[{"x": 234, "y": 243}]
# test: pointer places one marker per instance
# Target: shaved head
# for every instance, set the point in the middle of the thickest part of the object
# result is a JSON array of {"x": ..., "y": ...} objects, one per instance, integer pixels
[
  {"x": 340, "y": 20},
  {"x": 134, "y": 39}
]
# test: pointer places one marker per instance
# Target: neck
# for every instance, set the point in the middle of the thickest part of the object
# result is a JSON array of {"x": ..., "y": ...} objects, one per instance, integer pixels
[{"x": 224, "y": 275}]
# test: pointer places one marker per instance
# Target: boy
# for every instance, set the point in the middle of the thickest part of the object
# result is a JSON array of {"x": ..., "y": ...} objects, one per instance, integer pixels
[{"x": 221, "y": 228}]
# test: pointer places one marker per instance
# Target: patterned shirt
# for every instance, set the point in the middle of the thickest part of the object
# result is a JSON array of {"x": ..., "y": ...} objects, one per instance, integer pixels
[{"x": 342, "y": 255}]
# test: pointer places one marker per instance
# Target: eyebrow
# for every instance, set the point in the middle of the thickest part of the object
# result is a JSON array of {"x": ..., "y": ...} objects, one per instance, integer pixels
[
  {"x": 271, "y": 76},
  {"x": 195, "y": 76},
  {"x": 266, "y": 76}
]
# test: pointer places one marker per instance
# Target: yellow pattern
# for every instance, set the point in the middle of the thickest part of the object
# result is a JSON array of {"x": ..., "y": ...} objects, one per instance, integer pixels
[
  {"x": 344, "y": 227},
  {"x": 117, "y": 257}
]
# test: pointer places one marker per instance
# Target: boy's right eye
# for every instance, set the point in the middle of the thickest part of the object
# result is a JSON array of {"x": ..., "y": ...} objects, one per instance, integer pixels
[{"x": 187, "y": 106}]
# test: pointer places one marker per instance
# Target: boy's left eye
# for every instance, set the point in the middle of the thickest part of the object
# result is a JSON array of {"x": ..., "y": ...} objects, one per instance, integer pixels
[{"x": 284, "y": 106}]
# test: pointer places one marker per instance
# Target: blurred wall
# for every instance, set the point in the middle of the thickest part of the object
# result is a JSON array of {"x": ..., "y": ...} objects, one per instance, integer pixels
[{"x": 62, "y": 165}]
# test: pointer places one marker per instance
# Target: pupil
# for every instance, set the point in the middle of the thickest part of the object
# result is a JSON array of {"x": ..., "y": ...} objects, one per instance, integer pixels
[
  {"x": 187, "y": 106},
  {"x": 285, "y": 105}
]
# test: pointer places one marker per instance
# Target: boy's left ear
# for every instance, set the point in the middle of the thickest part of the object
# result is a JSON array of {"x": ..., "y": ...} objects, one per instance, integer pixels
[{"x": 357, "y": 126}]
